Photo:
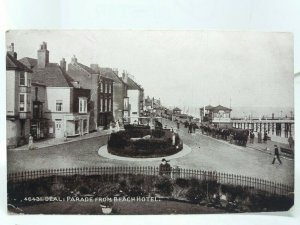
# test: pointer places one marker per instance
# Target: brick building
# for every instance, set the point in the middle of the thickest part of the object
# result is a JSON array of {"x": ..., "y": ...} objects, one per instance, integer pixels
[{"x": 101, "y": 93}]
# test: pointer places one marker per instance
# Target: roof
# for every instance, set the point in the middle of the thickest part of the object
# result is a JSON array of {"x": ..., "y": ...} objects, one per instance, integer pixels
[
  {"x": 52, "y": 76},
  {"x": 86, "y": 68},
  {"x": 110, "y": 74},
  {"x": 177, "y": 109},
  {"x": 132, "y": 85},
  {"x": 219, "y": 108},
  {"x": 208, "y": 107},
  {"x": 29, "y": 62},
  {"x": 14, "y": 64}
]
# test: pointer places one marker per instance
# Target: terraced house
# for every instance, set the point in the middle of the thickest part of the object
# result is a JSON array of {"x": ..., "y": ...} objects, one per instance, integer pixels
[
  {"x": 101, "y": 93},
  {"x": 65, "y": 106},
  {"x": 18, "y": 100}
]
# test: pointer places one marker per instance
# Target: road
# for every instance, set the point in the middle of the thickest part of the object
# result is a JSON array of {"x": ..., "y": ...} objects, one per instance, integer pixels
[{"x": 207, "y": 154}]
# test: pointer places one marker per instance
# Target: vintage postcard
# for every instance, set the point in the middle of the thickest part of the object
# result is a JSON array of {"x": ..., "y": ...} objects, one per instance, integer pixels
[{"x": 149, "y": 122}]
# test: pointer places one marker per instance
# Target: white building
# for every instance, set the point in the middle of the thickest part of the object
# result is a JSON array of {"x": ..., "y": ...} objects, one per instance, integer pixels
[{"x": 18, "y": 100}]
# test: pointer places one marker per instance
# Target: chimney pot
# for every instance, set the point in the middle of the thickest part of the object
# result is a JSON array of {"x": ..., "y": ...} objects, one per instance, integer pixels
[
  {"x": 43, "y": 56},
  {"x": 63, "y": 64}
]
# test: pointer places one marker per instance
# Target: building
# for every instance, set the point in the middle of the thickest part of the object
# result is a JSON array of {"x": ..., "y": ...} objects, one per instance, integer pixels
[
  {"x": 134, "y": 101},
  {"x": 219, "y": 116},
  {"x": 206, "y": 113},
  {"x": 101, "y": 93},
  {"x": 63, "y": 104},
  {"x": 177, "y": 111},
  {"x": 119, "y": 90},
  {"x": 39, "y": 124},
  {"x": 18, "y": 100}
]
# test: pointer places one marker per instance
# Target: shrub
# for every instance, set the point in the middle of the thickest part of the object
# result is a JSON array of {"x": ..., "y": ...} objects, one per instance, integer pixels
[
  {"x": 195, "y": 194},
  {"x": 119, "y": 139},
  {"x": 181, "y": 182},
  {"x": 84, "y": 189},
  {"x": 164, "y": 185},
  {"x": 136, "y": 191}
]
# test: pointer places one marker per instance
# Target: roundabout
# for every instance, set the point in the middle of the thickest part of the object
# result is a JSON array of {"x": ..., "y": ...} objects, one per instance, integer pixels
[{"x": 103, "y": 152}]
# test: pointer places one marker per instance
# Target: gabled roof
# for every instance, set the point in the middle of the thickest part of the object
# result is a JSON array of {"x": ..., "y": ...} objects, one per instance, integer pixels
[
  {"x": 132, "y": 85},
  {"x": 86, "y": 68},
  {"x": 29, "y": 62},
  {"x": 52, "y": 76},
  {"x": 208, "y": 107},
  {"x": 110, "y": 74},
  {"x": 177, "y": 109},
  {"x": 14, "y": 64},
  {"x": 219, "y": 107}
]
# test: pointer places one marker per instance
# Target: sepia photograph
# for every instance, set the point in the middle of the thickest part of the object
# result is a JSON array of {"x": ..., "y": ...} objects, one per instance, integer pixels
[{"x": 149, "y": 122}]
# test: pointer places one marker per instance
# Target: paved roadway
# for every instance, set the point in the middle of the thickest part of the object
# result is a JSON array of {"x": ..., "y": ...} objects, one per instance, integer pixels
[{"x": 207, "y": 154}]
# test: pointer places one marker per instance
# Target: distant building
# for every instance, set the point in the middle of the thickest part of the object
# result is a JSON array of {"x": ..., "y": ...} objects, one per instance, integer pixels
[
  {"x": 101, "y": 89},
  {"x": 18, "y": 100},
  {"x": 135, "y": 94},
  {"x": 62, "y": 104},
  {"x": 219, "y": 116},
  {"x": 177, "y": 111}
]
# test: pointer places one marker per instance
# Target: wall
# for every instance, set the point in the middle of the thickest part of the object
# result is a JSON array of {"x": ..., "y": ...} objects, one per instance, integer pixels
[
  {"x": 133, "y": 104},
  {"x": 13, "y": 129},
  {"x": 12, "y": 93},
  {"x": 58, "y": 93},
  {"x": 118, "y": 104}
]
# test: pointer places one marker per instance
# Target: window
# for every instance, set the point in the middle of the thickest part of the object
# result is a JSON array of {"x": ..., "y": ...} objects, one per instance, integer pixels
[
  {"x": 105, "y": 88},
  {"x": 36, "y": 92},
  {"x": 82, "y": 105},
  {"x": 29, "y": 82},
  {"x": 101, "y": 105},
  {"x": 58, "y": 124},
  {"x": 22, "y": 79},
  {"x": 22, "y": 103},
  {"x": 109, "y": 104},
  {"x": 106, "y": 105},
  {"x": 101, "y": 86},
  {"x": 109, "y": 88},
  {"x": 59, "y": 105}
]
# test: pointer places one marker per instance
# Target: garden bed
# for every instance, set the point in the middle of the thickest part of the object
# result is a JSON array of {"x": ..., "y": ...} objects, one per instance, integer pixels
[
  {"x": 98, "y": 188},
  {"x": 141, "y": 142}
]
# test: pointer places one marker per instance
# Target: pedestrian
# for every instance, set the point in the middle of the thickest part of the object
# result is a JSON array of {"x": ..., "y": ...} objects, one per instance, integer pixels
[
  {"x": 291, "y": 142},
  {"x": 259, "y": 137},
  {"x": 178, "y": 125},
  {"x": 30, "y": 143},
  {"x": 276, "y": 155},
  {"x": 265, "y": 137},
  {"x": 252, "y": 137},
  {"x": 164, "y": 168}
]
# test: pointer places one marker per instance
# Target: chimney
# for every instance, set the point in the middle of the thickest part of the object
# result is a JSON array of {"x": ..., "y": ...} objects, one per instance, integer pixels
[
  {"x": 43, "y": 56},
  {"x": 63, "y": 64},
  {"x": 11, "y": 50},
  {"x": 74, "y": 59},
  {"x": 95, "y": 67},
  {"x": 125, "y": 77}
]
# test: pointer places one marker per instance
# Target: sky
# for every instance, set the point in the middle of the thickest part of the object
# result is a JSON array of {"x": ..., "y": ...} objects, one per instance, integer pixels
[{"x": 182, "y": 68}]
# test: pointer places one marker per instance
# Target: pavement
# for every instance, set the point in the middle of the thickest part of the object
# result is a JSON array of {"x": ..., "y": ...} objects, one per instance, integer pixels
[
  {"x": 59, "y": 141},
  {"x": 206, "y": 153}
]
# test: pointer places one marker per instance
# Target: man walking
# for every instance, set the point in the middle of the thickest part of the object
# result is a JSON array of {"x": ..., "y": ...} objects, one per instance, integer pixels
[{"x": 276, "y": 155}]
